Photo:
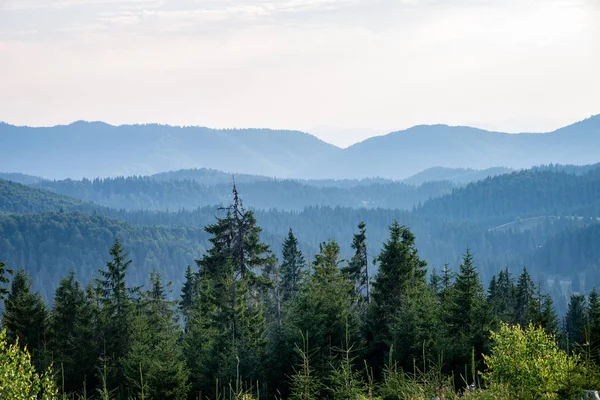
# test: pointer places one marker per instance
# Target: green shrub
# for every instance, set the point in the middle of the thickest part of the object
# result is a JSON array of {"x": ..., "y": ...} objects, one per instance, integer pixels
[{"x": 18, "y": 377}]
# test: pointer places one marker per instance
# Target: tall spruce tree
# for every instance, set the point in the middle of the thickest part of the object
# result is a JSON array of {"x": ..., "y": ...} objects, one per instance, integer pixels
[
  {"x": 116, "y": 301},
  {"x": 358, "y": 267},
  {"x": 322, "y": 311},
  {"x": 468, "y": 319},
  {"x": 292, "y": 265},
  {"x": 542, "y": 311},
  {"x": 26, "y": 318},
  {"x": 230, "y": 286},
  {"x": 594, "y": 324},
  {"x": 72, "y": 340},
  {"x": 524, "y": 292},
  {"x": 155, "y": 359},
  {"x": 576, "y": 321},
  {"x": 400, "y": 269},
  {"x": 502, "y": 297}
]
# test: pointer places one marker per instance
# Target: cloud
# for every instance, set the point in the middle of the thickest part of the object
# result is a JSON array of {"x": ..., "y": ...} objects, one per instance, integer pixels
[{"x": 300, "y": 63}]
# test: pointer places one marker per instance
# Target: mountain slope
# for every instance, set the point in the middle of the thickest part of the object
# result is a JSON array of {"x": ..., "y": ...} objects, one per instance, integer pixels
[
  {"x": 22, "y": 199},
  {"x": 455, "y": 175},
  {"x": 405, "y": 153},
  {"x": 91, "y": 149}
]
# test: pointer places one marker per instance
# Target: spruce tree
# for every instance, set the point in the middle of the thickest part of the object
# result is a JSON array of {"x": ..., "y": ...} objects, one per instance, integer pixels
[
  {"x": 71, "y": 335},
  {"x": 468, "y": 319},
  {"x": 322, "y": 311},
  {"x": 4, "y": 280},
  {"x": 446, "y": 282},
  {"x": 155, "y": 361},
  {"x": 594, "y": 324},
  {"x": 292, "y": 266},
  {"x": 400, "y": 269},
  {"x": 358, "y": 267},
  {"x": 230, "y": 287},
  {"x": 26, "y": 318},
  {"x": 543, "y": 313},
  {"x": 116, "y": 302},
  {"x": 576, "y": 321},
  {"x": 524, "y": 292},
  {"x": 188, "y": 292},
  {"x": 502, "y": 298}
]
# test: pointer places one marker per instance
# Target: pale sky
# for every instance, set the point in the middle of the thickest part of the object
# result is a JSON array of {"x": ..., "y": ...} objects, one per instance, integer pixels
[{"x": 344, "y": 69}]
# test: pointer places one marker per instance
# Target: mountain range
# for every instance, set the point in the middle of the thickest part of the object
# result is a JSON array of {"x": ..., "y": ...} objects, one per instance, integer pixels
[{"x": 96, "y": 149}]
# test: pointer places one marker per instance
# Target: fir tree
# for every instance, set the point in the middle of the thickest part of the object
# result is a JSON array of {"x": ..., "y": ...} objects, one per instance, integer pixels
[
  {"x": 323, "y": 310},
  {"x": 72, "y": 342},
  {"x": 542, "y": 311},
  {"x": 25, "y": 318},
  {"x": 468, "y": 317},
  {"x": 524, "y": 293},
  {"x": 594, "y": 324},
  {"x": 575, "y": 321},
  {"x": 502, "y": 298},
  {"x": 4, "y": 280},
  {"x": 400, "y": 269},
  {"x": 188, "y": 292},
  {"x": 155, "y": 352},
  {"x": 358, "y": 267},
  {"x": 230, "y": 287},
  {"x": 292, "y": 266},
  {"x": 116, "y": 302}
]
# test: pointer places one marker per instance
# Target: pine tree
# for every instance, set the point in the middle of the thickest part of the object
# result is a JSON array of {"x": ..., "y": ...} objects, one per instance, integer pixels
[
  {"x": 575, "y": 321},
  {"x": 468, "y": 318},
  {"x": 435, "y": 283},
  {"x": 71, "y": 335},
  {"x": 524, "y": 293},
  {"x": 323, "y": 310},
  {"x": 400, "y": 269},
  {"x": 155, "y": 352},
  {"x": 446, "y": 282},
  {"x": 502, "y": 298},
  {"x": 542, "y": 311},
  {"x": 292, "y": 266},
  {"x": 358, "y": 267},
  {"x": 594, "y": 324},
  {"x": 25, "y": 318},
  {"x": 230, "y": 287},
  {"x": 188, "y": 292},
  {"x": 4, "y": 280},
  {"x": 116, "y": 301}
]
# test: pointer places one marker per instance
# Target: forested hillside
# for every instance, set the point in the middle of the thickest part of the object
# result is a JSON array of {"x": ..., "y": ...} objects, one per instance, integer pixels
[
  {"x": 506, "y": 221},
  {"x": 302, "y": 327},
  {"x": 144, "y": 193},
  {"x": 521, "y": 194},
  {"x": 50, "y": 245},
  {"x": 18, "y": 198}
]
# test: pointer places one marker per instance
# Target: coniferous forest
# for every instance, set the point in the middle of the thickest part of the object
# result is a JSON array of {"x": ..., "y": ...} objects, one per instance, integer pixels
[{"x": 255, "y": 322}]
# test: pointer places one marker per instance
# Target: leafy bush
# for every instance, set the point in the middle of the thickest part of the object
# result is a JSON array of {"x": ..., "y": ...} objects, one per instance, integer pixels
[
  {"x": 530, "y": 363},
  {"x": 18, "y": 377}
]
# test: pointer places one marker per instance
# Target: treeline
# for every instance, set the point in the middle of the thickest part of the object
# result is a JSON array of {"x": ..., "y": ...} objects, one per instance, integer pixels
[
  {"x": 246, "y": 323},
  {"x": 521, "y": 194},
  {"x": 149, "y": 193}
]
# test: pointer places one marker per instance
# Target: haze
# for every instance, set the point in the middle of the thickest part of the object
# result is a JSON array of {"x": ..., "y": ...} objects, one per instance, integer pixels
[{"x": 343, "y": 69}]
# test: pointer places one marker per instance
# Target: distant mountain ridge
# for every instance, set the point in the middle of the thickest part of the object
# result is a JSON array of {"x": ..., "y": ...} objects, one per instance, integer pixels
[{"x": 96, "y": 149}]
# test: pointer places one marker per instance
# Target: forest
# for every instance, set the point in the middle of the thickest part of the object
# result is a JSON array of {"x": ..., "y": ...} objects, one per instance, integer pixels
[
  {"x": 442, "y": 294},
  {"x": 252, "y": 322}
]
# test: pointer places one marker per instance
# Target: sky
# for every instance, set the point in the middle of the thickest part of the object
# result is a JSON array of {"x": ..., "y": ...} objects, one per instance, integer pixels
[{"x": 340, "y": 69}]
